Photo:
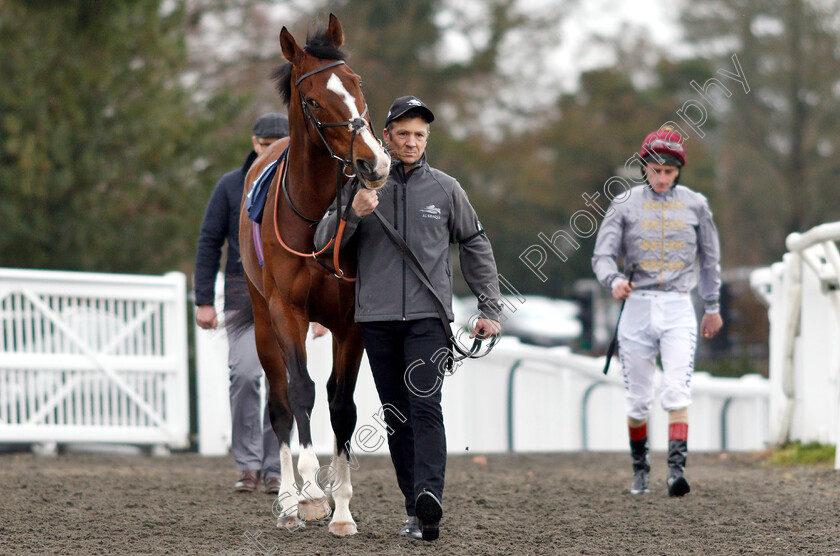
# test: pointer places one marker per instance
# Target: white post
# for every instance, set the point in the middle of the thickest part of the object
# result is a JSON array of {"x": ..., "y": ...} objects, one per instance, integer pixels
[
  {"x": 818, "y": 369},
  {"x": 175, "y": 347},
  {"x": 790, "y": 325},
  {"x": 213, "y": 384}
]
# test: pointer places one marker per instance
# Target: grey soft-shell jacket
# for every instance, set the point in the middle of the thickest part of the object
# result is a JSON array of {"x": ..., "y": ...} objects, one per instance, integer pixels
[{"x": 430, "y": 211}]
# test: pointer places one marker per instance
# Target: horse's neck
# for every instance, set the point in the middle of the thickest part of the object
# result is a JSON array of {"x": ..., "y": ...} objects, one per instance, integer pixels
[{"x": 311, "y": 178}]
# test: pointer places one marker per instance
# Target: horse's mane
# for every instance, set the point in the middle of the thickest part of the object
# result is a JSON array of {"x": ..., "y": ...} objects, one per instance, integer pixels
[{"x": 318, "y": 45}]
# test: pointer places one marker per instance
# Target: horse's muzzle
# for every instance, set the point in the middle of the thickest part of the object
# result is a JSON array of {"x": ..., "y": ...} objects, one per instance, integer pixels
[
  {"x": 371, "y": 178},
  {"x": 374, "y": 184}
]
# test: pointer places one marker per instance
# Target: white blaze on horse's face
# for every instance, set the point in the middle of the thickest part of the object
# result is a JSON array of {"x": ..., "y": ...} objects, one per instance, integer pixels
[{"x": 383, "y": 161}]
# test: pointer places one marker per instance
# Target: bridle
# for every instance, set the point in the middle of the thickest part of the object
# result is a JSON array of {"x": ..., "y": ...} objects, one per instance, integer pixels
[{"x": 354, "y": 126}]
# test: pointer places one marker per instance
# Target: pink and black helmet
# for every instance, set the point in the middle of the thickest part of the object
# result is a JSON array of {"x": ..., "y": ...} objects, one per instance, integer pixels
[{"x": 664, "y": 146}]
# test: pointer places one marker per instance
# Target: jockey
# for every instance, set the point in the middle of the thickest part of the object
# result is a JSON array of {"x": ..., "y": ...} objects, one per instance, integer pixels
[{"x": 667, "y": 231}]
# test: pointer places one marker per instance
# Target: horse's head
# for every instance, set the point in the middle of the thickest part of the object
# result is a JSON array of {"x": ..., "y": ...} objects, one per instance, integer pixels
[{"x": 325, "y": 98}]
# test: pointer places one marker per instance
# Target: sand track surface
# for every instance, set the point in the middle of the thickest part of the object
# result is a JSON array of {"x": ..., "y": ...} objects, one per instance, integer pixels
[{"x": 494, "y": 504}]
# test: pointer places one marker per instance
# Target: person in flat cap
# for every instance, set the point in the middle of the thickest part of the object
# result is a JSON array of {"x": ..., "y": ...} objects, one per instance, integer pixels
[
  {"x": 269, "y": 128},
  {"x": 406, "y": 340},
  {"x": 254, "y": 444}
]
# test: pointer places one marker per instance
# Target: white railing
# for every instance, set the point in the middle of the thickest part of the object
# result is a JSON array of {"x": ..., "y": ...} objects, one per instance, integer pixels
[
  {"x": 95, "y": 358},
  {"x": 555, "y": 400},
  {"x": 568, "y": 392},
  {"x": 520, "y": 398},
  {"x": 803, "y": 301},
  {"x": 103, "y": 358}
]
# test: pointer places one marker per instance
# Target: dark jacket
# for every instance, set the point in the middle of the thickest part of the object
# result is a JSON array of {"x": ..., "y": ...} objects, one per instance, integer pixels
[
  {"x": 221, "y": 223},
  {"x": 430, "y": 210}
]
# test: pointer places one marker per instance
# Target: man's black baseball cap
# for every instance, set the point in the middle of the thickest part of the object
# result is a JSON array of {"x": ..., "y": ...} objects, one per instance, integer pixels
[{"x": 404, "y": 104}]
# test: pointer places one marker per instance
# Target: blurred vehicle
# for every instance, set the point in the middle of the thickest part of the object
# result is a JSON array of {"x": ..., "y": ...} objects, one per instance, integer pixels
[{"x": 537, "y": 320}]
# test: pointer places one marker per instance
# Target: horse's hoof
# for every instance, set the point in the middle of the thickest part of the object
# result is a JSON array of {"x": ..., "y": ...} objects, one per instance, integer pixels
[
  {"x": 290, "y": 522},
  {"x": 314, "y": 510},
  {"x": 343, "y": 528}
]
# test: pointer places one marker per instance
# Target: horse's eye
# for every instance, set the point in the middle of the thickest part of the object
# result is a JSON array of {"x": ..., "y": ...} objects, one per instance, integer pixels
[
  {"x": 313, "y": 104},
  {"x": 360, "y": 83}
]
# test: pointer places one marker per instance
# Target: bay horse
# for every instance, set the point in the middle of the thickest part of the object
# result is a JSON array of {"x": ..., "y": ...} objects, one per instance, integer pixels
[{"x": 328, "y": 121}]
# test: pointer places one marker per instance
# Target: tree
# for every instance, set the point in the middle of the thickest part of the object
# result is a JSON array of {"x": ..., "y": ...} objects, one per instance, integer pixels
[
  {"x": 779, "y": 141},
  {"x": 582, "y": 143},
  {"x": 459, "y": 57},
  {"x": 106, "y": 156}
]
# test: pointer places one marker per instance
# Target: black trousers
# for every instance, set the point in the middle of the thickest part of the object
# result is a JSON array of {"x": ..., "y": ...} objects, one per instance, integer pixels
[{"x": 407, "y": 359}]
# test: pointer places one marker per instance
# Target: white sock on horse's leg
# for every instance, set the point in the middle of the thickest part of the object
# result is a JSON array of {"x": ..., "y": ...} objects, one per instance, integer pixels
[
  {"x": 312, "y": 503},
  {"x": 342, "y": 522},
  {"x": 286, "y": 507}
]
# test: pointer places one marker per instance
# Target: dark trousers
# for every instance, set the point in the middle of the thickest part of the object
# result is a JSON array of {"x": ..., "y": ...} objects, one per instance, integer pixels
[{"x": 407, "y": 360}]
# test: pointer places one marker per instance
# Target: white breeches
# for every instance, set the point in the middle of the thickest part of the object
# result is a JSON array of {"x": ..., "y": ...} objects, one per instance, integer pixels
[{"x": 657, "y": 321}]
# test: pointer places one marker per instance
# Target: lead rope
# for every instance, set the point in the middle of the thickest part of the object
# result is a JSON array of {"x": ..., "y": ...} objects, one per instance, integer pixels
[{"x": 414, "y": 265}]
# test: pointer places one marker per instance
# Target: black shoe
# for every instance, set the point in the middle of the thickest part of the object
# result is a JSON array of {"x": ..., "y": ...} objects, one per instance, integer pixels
[
  {"x": 677, "y": 454},
  {"x": 411, "y": 528},
  {"x": 677, "y": 485},
  {"x": 429, "y": 512},
  {"x": 641, "y": 467}
]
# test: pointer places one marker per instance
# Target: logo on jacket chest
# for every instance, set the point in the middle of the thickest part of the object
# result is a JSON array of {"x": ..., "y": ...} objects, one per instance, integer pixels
[{"x": 430, "y": 211}]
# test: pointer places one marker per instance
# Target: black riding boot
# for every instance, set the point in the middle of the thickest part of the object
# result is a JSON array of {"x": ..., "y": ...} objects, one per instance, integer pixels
[
  {"x": 641, "y": 466},
  {"x": 677, "y": 452}
]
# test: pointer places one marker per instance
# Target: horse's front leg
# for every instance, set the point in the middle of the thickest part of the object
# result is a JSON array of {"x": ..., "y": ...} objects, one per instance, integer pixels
[
  {"x": 347, "y": 355},
  {"x": 290, "y": 329},
  {"x": 273, "y": 361}
]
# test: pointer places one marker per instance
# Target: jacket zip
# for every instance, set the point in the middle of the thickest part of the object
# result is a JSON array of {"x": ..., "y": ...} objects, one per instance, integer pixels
[
  {"x": 405, "y": 237},
  {"x": 400, "y": 181}
]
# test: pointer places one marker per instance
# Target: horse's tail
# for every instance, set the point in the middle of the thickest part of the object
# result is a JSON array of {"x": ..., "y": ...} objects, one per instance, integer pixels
[{"x": 240, "y": 317}]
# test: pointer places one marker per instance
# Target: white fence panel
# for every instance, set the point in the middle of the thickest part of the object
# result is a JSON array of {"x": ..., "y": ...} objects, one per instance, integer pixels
[
  {"x": 90, "y": 357},
  {"x": 214, "y": 424}
]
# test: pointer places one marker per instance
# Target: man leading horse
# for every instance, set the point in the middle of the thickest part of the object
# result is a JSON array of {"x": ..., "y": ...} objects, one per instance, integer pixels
[{"x": 406, "y": 345}]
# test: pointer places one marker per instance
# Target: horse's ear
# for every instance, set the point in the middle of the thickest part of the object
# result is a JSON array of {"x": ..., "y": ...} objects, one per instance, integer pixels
[
  {"x": 291, "y": 50},
  {"x": 334, "y": 32}
]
